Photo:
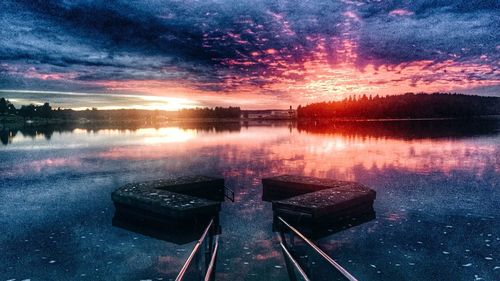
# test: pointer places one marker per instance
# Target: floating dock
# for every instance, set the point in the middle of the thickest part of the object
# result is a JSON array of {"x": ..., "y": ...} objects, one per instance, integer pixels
[
  {"x": 317, "y": 200},
  {"x": 171, "y": 200},
  {"x": 180, "y": 233}
]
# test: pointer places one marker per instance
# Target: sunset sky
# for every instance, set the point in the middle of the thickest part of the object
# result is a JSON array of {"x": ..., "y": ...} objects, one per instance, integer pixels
[{"x": 162, "y": 54}]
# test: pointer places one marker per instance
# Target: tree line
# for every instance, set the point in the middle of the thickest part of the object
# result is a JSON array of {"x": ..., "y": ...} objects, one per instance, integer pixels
[
  {"x": 409, "y": 105},
  {"x": 28, "y": 111},
  {"x": 46, "y": 111},
  {"x": 217, "y": 112}
]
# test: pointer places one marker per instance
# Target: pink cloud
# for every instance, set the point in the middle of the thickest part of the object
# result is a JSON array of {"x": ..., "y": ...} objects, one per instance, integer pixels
[{"x": 401, "y": 12}]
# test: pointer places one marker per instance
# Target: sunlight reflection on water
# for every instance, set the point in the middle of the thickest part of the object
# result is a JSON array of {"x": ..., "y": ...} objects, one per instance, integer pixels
[{"x": 437, "y": 191}]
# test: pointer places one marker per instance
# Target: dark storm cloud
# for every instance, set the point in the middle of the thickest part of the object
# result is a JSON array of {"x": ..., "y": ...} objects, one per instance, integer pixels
[
  {"x": 118, "y": 25},
  {"x": 199, "y": 34},
  {"x": 209, "y": 42},
  {"x": 426, "y": 7},
  {"x": 430, "y": 30}
]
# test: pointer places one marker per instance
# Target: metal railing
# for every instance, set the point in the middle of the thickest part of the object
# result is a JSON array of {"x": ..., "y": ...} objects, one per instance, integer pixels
[
  {"x": 212, "y": 251},
  {"x": 229, "y": 193},
  {"x": 315, "y": 248},
  {"x": 294, "y": 262},
  {"x": 211, "y": 266}
]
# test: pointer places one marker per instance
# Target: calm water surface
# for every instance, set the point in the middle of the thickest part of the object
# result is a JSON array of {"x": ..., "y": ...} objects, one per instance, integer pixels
[{"x": 437, "y": 206}]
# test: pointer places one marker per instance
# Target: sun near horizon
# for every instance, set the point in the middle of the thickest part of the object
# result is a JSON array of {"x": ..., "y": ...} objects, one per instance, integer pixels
[{"x": 284, "y": 56}]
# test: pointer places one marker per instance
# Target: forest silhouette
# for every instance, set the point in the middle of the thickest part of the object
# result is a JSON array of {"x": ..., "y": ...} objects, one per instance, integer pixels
[{"x": 410, "y": 105}]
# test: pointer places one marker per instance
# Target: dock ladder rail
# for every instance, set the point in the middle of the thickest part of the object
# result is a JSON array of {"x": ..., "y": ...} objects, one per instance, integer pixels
[
  {"x": 229, "y": 193},
  {"x": 210, "y": 233},
  {"x": 315, "y": 248}
]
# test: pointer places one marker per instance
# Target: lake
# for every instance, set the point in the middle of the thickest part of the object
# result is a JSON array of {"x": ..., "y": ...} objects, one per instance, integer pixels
[{"x": 437, "y": 206}]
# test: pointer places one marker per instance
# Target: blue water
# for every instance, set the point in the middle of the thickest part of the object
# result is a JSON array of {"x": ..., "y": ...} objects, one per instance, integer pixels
[{"x": 438, "y": 198}]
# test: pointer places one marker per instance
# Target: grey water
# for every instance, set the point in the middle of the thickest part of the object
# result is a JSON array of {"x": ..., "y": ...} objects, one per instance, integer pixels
[{"x": 437, "y": 206}]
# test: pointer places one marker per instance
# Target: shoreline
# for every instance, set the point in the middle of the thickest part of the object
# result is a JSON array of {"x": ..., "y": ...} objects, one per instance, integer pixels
[{"x": 13, "y": 122}]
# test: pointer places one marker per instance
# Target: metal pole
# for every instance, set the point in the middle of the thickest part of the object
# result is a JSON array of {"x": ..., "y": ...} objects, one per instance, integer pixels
[
  {"x": 320, "y": 252},
  {"x": 196, "y": 247}
]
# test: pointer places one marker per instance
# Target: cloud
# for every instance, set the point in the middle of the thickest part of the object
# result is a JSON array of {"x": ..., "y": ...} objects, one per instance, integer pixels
[
  {"x": 228, "y": 46},
  {"x": 439, "y": 36},
  {"x": 401, "y": 12}
]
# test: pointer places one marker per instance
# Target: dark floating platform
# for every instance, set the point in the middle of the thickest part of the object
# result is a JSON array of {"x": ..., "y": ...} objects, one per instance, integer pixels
[
  {"x": 318, "y": 201},
  {"x": 173, "y": 201},
  {"x": 320, "y": 230},
  {"x": 179, "y": 232}
]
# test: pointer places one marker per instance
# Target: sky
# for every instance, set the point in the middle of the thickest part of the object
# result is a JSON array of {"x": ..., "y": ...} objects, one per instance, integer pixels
[{"x": 163, "y": 54}]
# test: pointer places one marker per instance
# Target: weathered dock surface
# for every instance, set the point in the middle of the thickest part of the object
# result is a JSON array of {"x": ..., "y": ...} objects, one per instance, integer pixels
[
  {"x": 285, "y": 186},
  {"x": 317, "y": 200},
  {"x": 177, "y": 199}
]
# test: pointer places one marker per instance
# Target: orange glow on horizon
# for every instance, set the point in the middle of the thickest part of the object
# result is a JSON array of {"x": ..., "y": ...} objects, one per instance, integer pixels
[
  {"x": 269, "y": 78},
  {"x": 316, "y": 79}
]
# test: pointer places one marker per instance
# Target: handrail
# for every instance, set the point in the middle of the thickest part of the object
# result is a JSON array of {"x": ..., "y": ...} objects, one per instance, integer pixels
[
  {"x": 294, "y": 262},
  {"x": 320, "y": 252},
  {"x": 184, "y": 268},
  {"x": 229, "y": 193},
  {"x": 212, "y": 260}
]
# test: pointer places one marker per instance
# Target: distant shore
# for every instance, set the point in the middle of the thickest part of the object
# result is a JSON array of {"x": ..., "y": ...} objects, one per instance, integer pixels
[
  {"x": 17, "y": 122},
  {"x": 421, "y": 106},
  {"x": 13, "y": 121}
]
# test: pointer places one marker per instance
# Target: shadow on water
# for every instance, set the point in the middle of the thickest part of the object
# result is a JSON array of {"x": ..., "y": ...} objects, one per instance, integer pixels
[
  {"x": 179, "y": 233},
  {"x": 318, "y": 231}
]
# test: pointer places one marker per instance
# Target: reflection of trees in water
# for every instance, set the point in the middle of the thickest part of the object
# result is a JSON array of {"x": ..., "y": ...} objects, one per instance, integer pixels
[
  {"x": 217, "y": 127},
  {"x": 404, "y": 129},
  {"x": 6, "y": 136},
  {"x": 47, "y": 130},
  {"x": 33, "y": 132},
  {"x": 399, "y": 129}
]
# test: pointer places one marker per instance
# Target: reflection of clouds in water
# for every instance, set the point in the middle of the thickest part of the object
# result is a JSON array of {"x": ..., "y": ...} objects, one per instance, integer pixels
[
  {"x": 121, "y": 253},
  {"x": 69, "y": 222},
  {"x": 423, "y": 185},
  {"x": 38, "y": 166},
  {"x": 318, "y": 153}
]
